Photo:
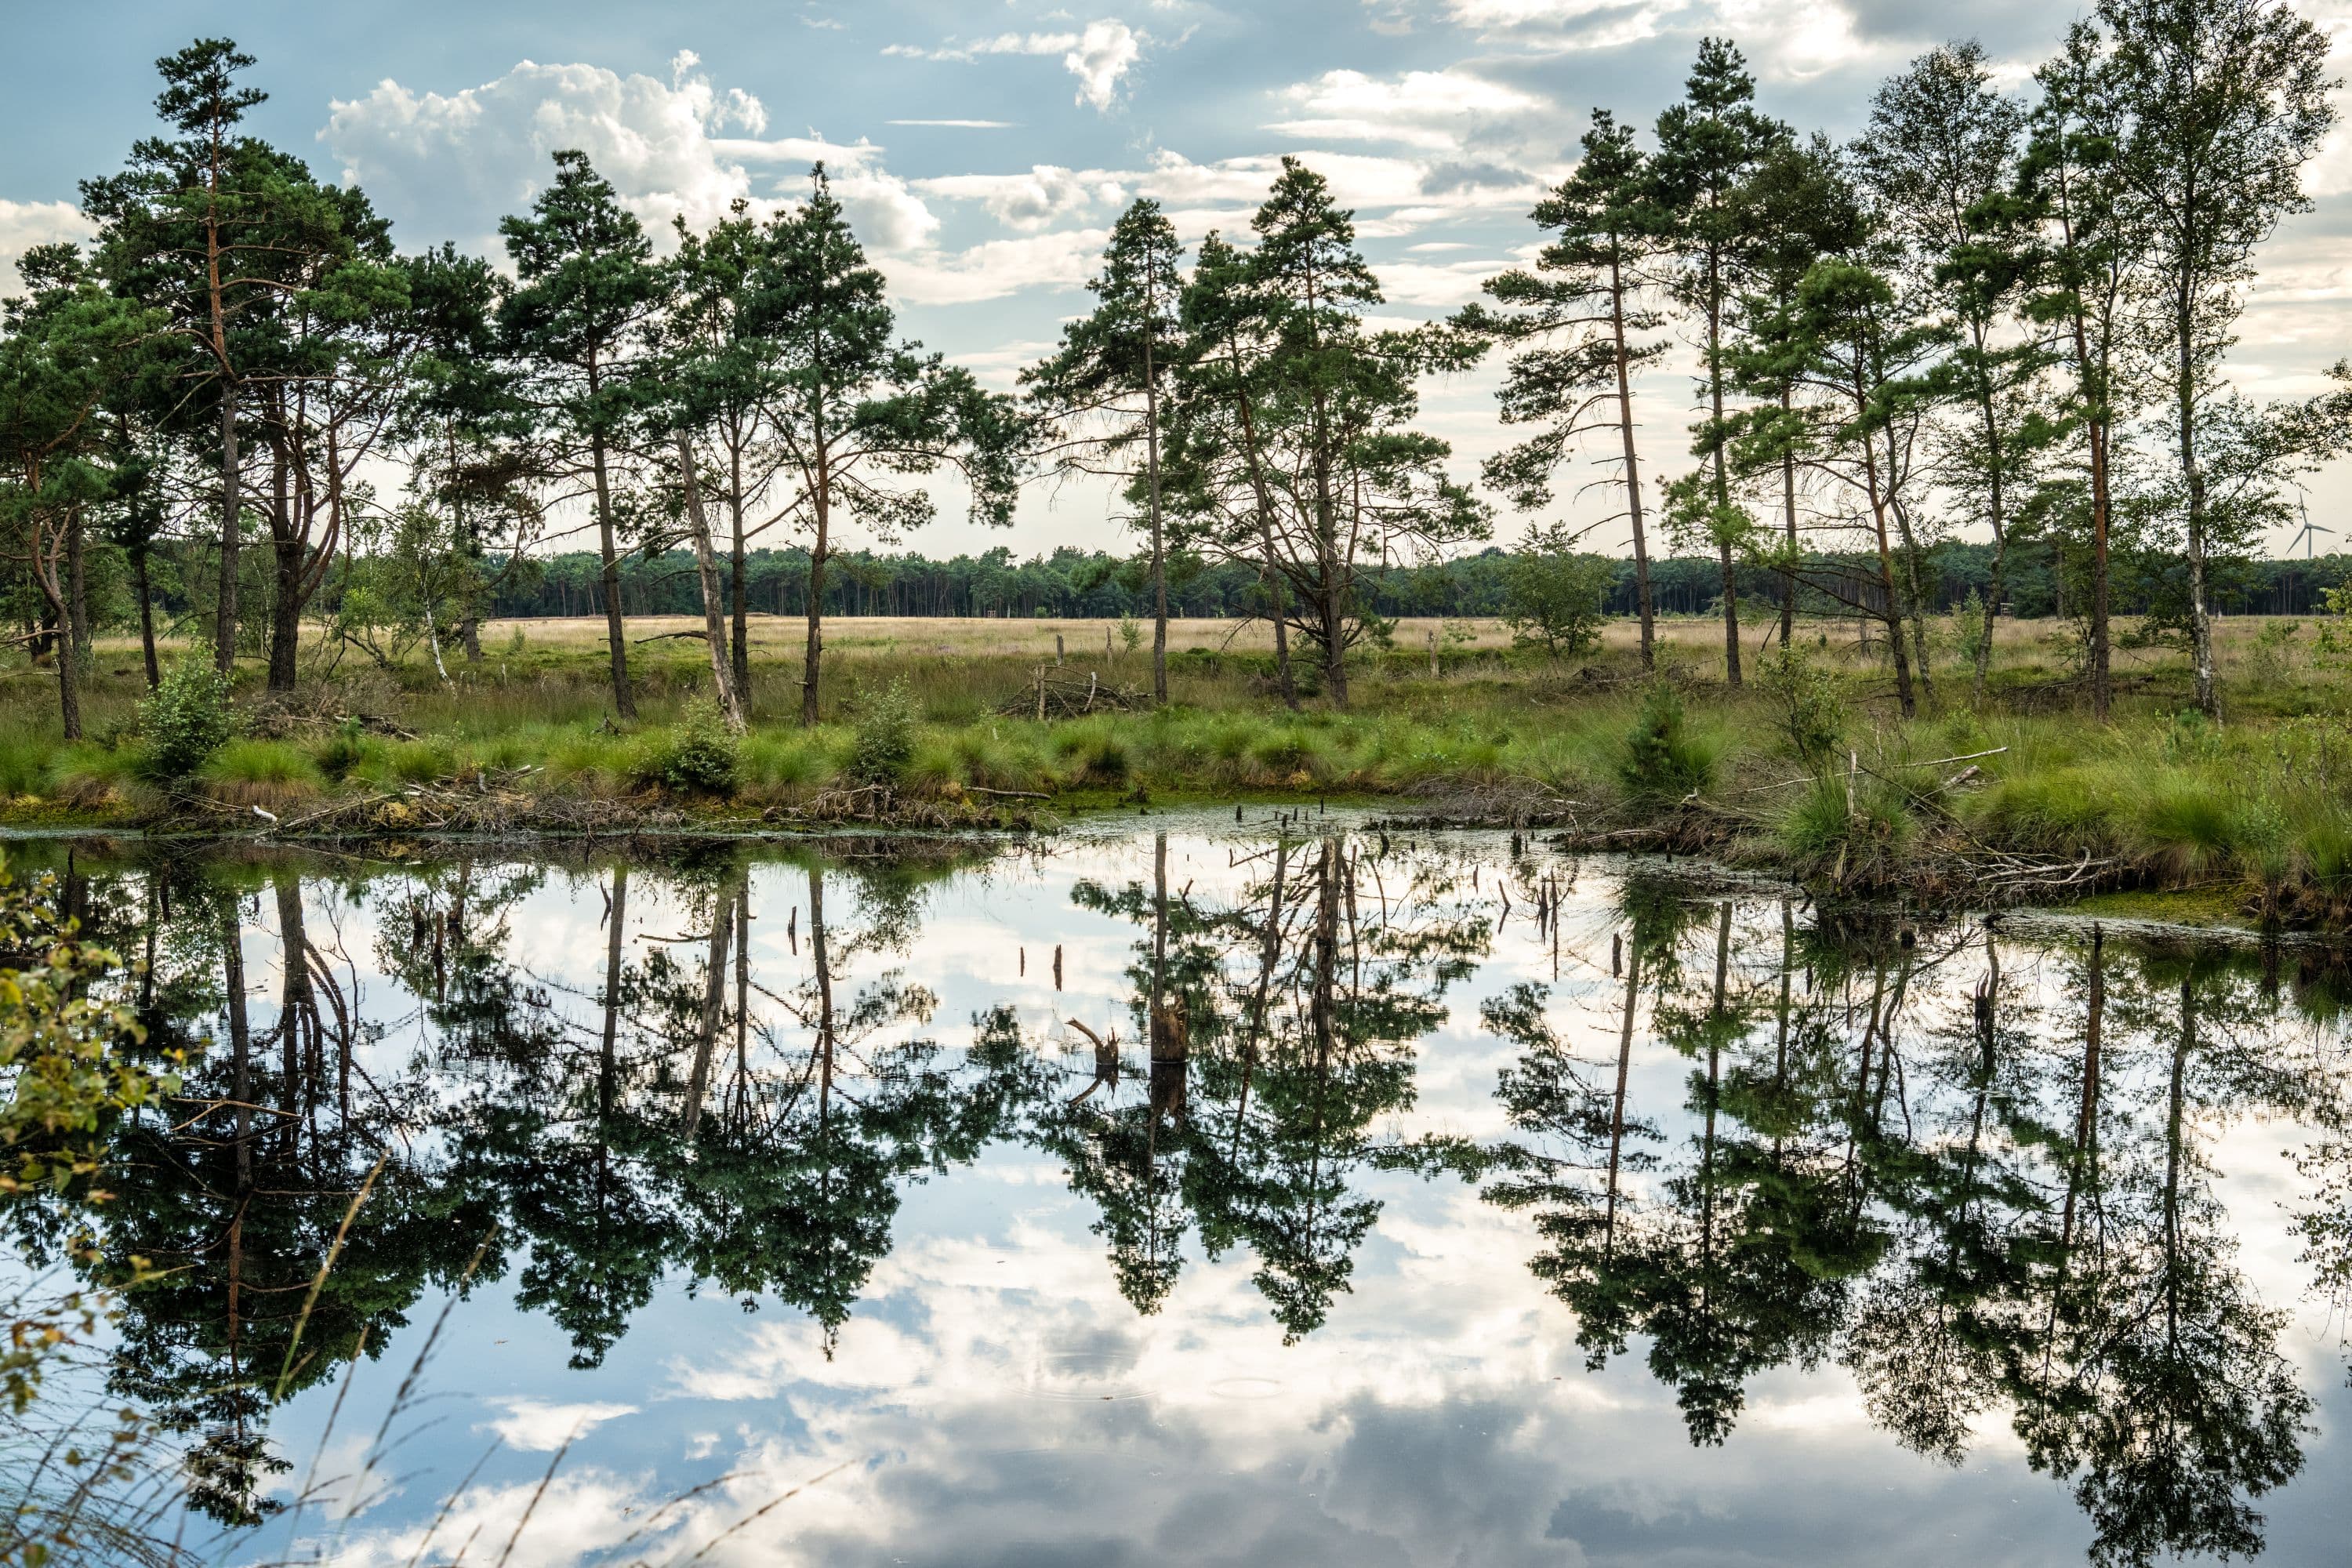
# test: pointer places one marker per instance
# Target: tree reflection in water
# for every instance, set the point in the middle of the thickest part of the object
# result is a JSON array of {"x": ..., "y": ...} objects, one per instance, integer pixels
[
  {"x": 1979, "y": 1211},
  {"x": 1741, "y": 1136}
]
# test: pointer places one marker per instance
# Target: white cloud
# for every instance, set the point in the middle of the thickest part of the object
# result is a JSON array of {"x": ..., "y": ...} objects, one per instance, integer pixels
[
  {"x": 998, "y": 268},
  {"x": 1786, "y": 39},
  {"x": 542, "y": 1429},
  {"x": 24, "y": 224},
  {"x": 464, "y": 159},
  {"x": 1043, "y": 196},
  {"x": 1099, "y": 57},
  {"x": 1424, "y": 108},
  {"x": 887, "y": 214},
  {"x": 1103, "y": 54}
]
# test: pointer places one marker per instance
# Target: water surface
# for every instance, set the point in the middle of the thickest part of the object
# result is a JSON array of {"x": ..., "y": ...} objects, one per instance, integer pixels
[{"x": 1194, "y": 1192}]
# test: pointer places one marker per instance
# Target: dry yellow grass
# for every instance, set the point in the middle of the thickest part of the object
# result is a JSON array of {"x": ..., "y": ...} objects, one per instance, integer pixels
[{"x": 778, "y": 635}]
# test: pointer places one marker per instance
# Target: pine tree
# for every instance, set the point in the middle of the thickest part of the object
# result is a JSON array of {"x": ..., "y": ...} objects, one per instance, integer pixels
[
  {"x": 1572, "y": 324},
  {"x": 1110, "y": 359},
  {"x": 1329, "y": 474},
  {"x": 856, "y": 409},
  {"x": 1943, "y": 142},
  {"x": 1802, "y": 210},
  {"x": 1707, "y": 144},
  {"x": 585, "y": 284},
  {"x": 184, "y": 228}
]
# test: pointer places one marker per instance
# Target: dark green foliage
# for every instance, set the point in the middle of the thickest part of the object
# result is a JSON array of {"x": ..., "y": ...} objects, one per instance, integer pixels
[
  {"x": 884, "y": 734},
  {"x": 1812, "y": 715},
  {"x": 700, "y": 755},
  {"x": 185, "y": 721},
  {"x": 1664, "y": 759}
]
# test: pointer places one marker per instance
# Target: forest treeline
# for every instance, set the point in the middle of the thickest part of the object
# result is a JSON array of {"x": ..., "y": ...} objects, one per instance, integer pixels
[
  {"x": 1998, "y": 316},
  {"x": 1095, "y": 584}
]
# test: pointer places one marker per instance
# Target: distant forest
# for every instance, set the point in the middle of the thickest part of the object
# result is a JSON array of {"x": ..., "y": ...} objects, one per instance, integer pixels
[{"x": 1078, "y": 584}]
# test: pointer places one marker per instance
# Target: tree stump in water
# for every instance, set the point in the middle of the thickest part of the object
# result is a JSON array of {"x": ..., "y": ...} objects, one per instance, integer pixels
[{"x": 1170, "y": 1046}]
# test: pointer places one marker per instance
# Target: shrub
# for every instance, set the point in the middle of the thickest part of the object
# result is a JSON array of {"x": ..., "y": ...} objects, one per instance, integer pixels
[
  {"x": 1092, "y": 753},
  {"x": 185, "y": 718},
  {"x": 250, "y": 759},
  {"x": 1664, "y": 759},
  {"x": 1806, "y": 701},
  {"x": 24, "y": 764},
  {"x": 2188, "y": 825},
  {"x": 700, "y": 755},
  {"x": 884, "y": 734},
  {"x": 1552, "y": 596}
]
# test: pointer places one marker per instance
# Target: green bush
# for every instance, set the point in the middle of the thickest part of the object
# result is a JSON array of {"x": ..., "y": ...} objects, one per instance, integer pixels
[
  {"x": 780, "y": 761},
  {"x": 1806, "y": 702},
  {"x": 185, "y": 720},
  {"x": 1552, "y": 595},
  {"x": 883, "y": 734},
  {"x": 1664, "y": 759},
  {"x": 699, "y": 755}
]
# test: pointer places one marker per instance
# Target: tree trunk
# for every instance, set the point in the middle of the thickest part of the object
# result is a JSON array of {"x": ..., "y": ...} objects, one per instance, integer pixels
[
  {"x": 739, "y": 587},
  {"x": 2201, "y": 623},
  {"x": 1722, "y": 479},
  {"x": 1914, "y": 590},
  {"x": 285, "y": 612},
  {"x": 2102, "y": 683},
  {"x": 1789, "y": 520},
  {"x": 1996, "y": 499},
  {"x": 146, "y": 618},
  {"x": 616, "y": 634},
  {"x": 1893, "y": 610},
  {"x": 705, "y": 566},
  {"x": 1633, "y": 469},
  {"x": 69, "y": 691},
  {"x": 225, "y": 618},
  {"x": 77, "y": 628},
  {"x": 813, "y": 654},
  {"x": 1159, "y": 551}
]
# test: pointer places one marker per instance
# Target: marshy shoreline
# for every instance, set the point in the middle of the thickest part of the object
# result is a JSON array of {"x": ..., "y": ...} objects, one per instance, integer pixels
[{"x": 2010, "y": 798}]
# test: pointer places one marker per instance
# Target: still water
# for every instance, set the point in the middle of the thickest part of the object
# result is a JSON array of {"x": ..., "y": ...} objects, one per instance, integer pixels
[{"x": 1195, "y": 1193}]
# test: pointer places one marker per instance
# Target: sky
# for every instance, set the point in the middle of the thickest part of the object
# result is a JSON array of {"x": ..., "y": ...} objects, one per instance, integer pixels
[{"x": 982, "y": 150}]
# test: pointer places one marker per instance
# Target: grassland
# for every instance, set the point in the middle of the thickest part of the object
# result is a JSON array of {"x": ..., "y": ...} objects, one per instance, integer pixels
[{"x": 2018, "y": 796}]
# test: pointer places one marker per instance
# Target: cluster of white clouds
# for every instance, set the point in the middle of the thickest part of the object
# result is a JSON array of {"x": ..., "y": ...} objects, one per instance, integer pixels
[
  {"x": 683, "y": 147},
  {"x": 671, "y": 148},
  {"x": 24, "y": 224},
  {"x": 1099, "y": 57}
]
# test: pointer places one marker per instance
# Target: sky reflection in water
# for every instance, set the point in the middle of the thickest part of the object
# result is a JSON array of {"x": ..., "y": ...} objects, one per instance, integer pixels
[{"x": 1350, "y": 1282}]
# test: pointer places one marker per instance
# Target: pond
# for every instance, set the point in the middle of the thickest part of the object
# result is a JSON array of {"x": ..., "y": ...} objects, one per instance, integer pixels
[{"x": 1181, "y": 1190}]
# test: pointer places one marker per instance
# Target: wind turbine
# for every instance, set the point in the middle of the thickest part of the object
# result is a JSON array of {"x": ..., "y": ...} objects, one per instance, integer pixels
[{"x": 2304, "y": 535}]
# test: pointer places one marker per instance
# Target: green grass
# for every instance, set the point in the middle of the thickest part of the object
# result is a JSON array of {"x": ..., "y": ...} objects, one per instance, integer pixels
[{"x": 2261, "y": 806}]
